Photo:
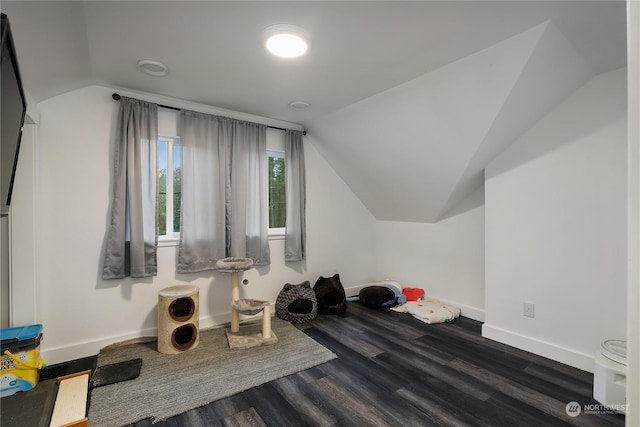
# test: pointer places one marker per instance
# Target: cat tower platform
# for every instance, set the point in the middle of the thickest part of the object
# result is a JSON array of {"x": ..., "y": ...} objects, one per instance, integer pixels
[{"x": 252, "y": 334}]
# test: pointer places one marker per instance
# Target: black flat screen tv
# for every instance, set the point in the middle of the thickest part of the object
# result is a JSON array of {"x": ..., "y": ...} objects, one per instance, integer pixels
[{"x": 13, "y": 109}]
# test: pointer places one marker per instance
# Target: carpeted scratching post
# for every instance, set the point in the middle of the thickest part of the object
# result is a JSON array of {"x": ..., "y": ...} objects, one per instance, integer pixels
[
  {"x": 178, "y": 316},
  {"x": 250, "y": 336}
]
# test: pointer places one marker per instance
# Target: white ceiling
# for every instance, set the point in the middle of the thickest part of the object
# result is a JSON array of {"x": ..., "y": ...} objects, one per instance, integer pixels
[{"x": 409, "y": 100}]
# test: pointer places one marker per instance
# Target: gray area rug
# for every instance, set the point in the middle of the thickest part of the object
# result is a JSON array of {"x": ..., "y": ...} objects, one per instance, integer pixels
[{"x": 172, "y": 384}]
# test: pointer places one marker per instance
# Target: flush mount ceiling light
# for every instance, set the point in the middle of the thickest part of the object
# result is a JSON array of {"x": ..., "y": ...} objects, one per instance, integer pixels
[
  {"x": 299, "y": 105},
  {"x": 153, "y": 68},
  {"x": 286, "y": 41}
]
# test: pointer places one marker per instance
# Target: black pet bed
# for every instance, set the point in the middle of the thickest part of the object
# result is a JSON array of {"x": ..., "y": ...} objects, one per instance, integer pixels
[{"x": 330, "y": 294}]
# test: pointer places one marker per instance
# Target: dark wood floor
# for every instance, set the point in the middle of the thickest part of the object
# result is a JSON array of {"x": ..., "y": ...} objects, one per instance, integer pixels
[{"x": 393, "y": 370}]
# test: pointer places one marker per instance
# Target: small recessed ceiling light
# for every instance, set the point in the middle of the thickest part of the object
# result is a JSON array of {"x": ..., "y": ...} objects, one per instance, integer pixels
[
  {"x": 153, "y": 68},
  {"x": 286, "y": 41},
  {"x": 299, "y": 105}
]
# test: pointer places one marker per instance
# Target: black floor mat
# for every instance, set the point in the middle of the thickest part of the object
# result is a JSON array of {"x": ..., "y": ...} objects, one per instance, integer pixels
[
  {"x": 29, "y": 408},
  {"x": 115, "y": 373}
]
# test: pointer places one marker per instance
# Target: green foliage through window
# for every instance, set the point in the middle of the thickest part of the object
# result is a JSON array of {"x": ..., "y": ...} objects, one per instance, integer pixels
[
  {"x": 170, "y": 184},
  {"x": 277, "y": 190},
  {"x": 169, "y": 187}
]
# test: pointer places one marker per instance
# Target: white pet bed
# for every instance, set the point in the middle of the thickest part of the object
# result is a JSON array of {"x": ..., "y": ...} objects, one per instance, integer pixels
[{"x": 429, "y": 310}]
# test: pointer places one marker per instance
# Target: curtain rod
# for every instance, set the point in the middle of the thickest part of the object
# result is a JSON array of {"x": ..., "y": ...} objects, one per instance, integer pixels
[{"x": 116, "y": 97}]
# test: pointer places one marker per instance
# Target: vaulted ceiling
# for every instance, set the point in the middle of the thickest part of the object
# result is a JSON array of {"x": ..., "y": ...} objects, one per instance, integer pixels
[{"x": 409, "y": 100}]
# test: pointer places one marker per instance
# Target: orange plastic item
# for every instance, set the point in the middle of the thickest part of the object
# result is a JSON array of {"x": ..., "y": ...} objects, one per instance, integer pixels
[{"x": 413, "y": 294}]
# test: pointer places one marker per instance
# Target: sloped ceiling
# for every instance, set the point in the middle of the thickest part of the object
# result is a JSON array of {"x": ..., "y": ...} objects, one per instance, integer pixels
[
  {"x": 422, "y": 146},
  {"x": 410, "y": 100}
]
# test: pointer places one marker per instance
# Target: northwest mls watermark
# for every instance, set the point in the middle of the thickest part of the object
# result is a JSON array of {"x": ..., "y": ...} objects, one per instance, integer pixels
[{"x": 574, "y": 409}]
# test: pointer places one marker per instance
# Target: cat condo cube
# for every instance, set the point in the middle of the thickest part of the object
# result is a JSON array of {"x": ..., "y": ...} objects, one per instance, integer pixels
[{"x": 178, "y": 319}]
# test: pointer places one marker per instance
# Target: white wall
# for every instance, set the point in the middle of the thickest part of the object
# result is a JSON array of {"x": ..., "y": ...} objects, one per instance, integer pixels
[
  {"x": 17, "y": 233},
  {"x": 23, "y": 232},
  {"x": 572, "y": 156},
  {"x": 633, "y": 292},
  {"x": 445, "y": 258},
  {"x": 80, "y": 311},
  {"x": 556, "y": 228}
]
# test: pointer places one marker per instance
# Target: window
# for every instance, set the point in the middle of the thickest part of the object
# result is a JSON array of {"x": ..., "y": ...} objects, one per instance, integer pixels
[
  {"x": 169, "y": 185},
  {"x": 277, "y": 192}
]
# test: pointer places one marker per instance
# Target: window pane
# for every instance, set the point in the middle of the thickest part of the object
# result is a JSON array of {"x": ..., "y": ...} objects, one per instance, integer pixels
[
  {"x": 177, "y": 186},
  {"x": 162, "y": 188},
  {"x": 277, "y": 197}
]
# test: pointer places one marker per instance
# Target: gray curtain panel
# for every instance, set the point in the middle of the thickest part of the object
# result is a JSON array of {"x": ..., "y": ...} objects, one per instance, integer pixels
[
  {"x": 203, "y": 224},
  {"x": 132, "y": 235},
  {"x": 224, "y": 191},
  {"x": 295, "y": 228},
  {"x": 248, "y": 193}
]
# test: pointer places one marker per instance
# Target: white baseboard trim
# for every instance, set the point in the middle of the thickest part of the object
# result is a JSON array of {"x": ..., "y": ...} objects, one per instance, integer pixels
[
  {"x": 465, "y": 310},
  {"x": 65, "y": 353},
  {"x": 354, "y": 290},
  {"x": 79, "y": 350},
  {"x": 552, "y": 351}
]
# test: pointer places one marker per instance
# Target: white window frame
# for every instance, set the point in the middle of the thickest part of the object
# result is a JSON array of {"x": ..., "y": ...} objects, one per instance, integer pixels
[
  {"x": 172, "y": 237},
  {"x": 276, "y": 232}
]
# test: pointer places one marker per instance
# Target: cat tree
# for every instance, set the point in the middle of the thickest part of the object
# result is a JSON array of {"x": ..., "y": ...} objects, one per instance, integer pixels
[{"x": 251, "y": 335}]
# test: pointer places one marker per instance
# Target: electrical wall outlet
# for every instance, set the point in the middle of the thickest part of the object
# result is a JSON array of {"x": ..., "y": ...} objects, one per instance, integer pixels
[{"x": 529, "y": 309}]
